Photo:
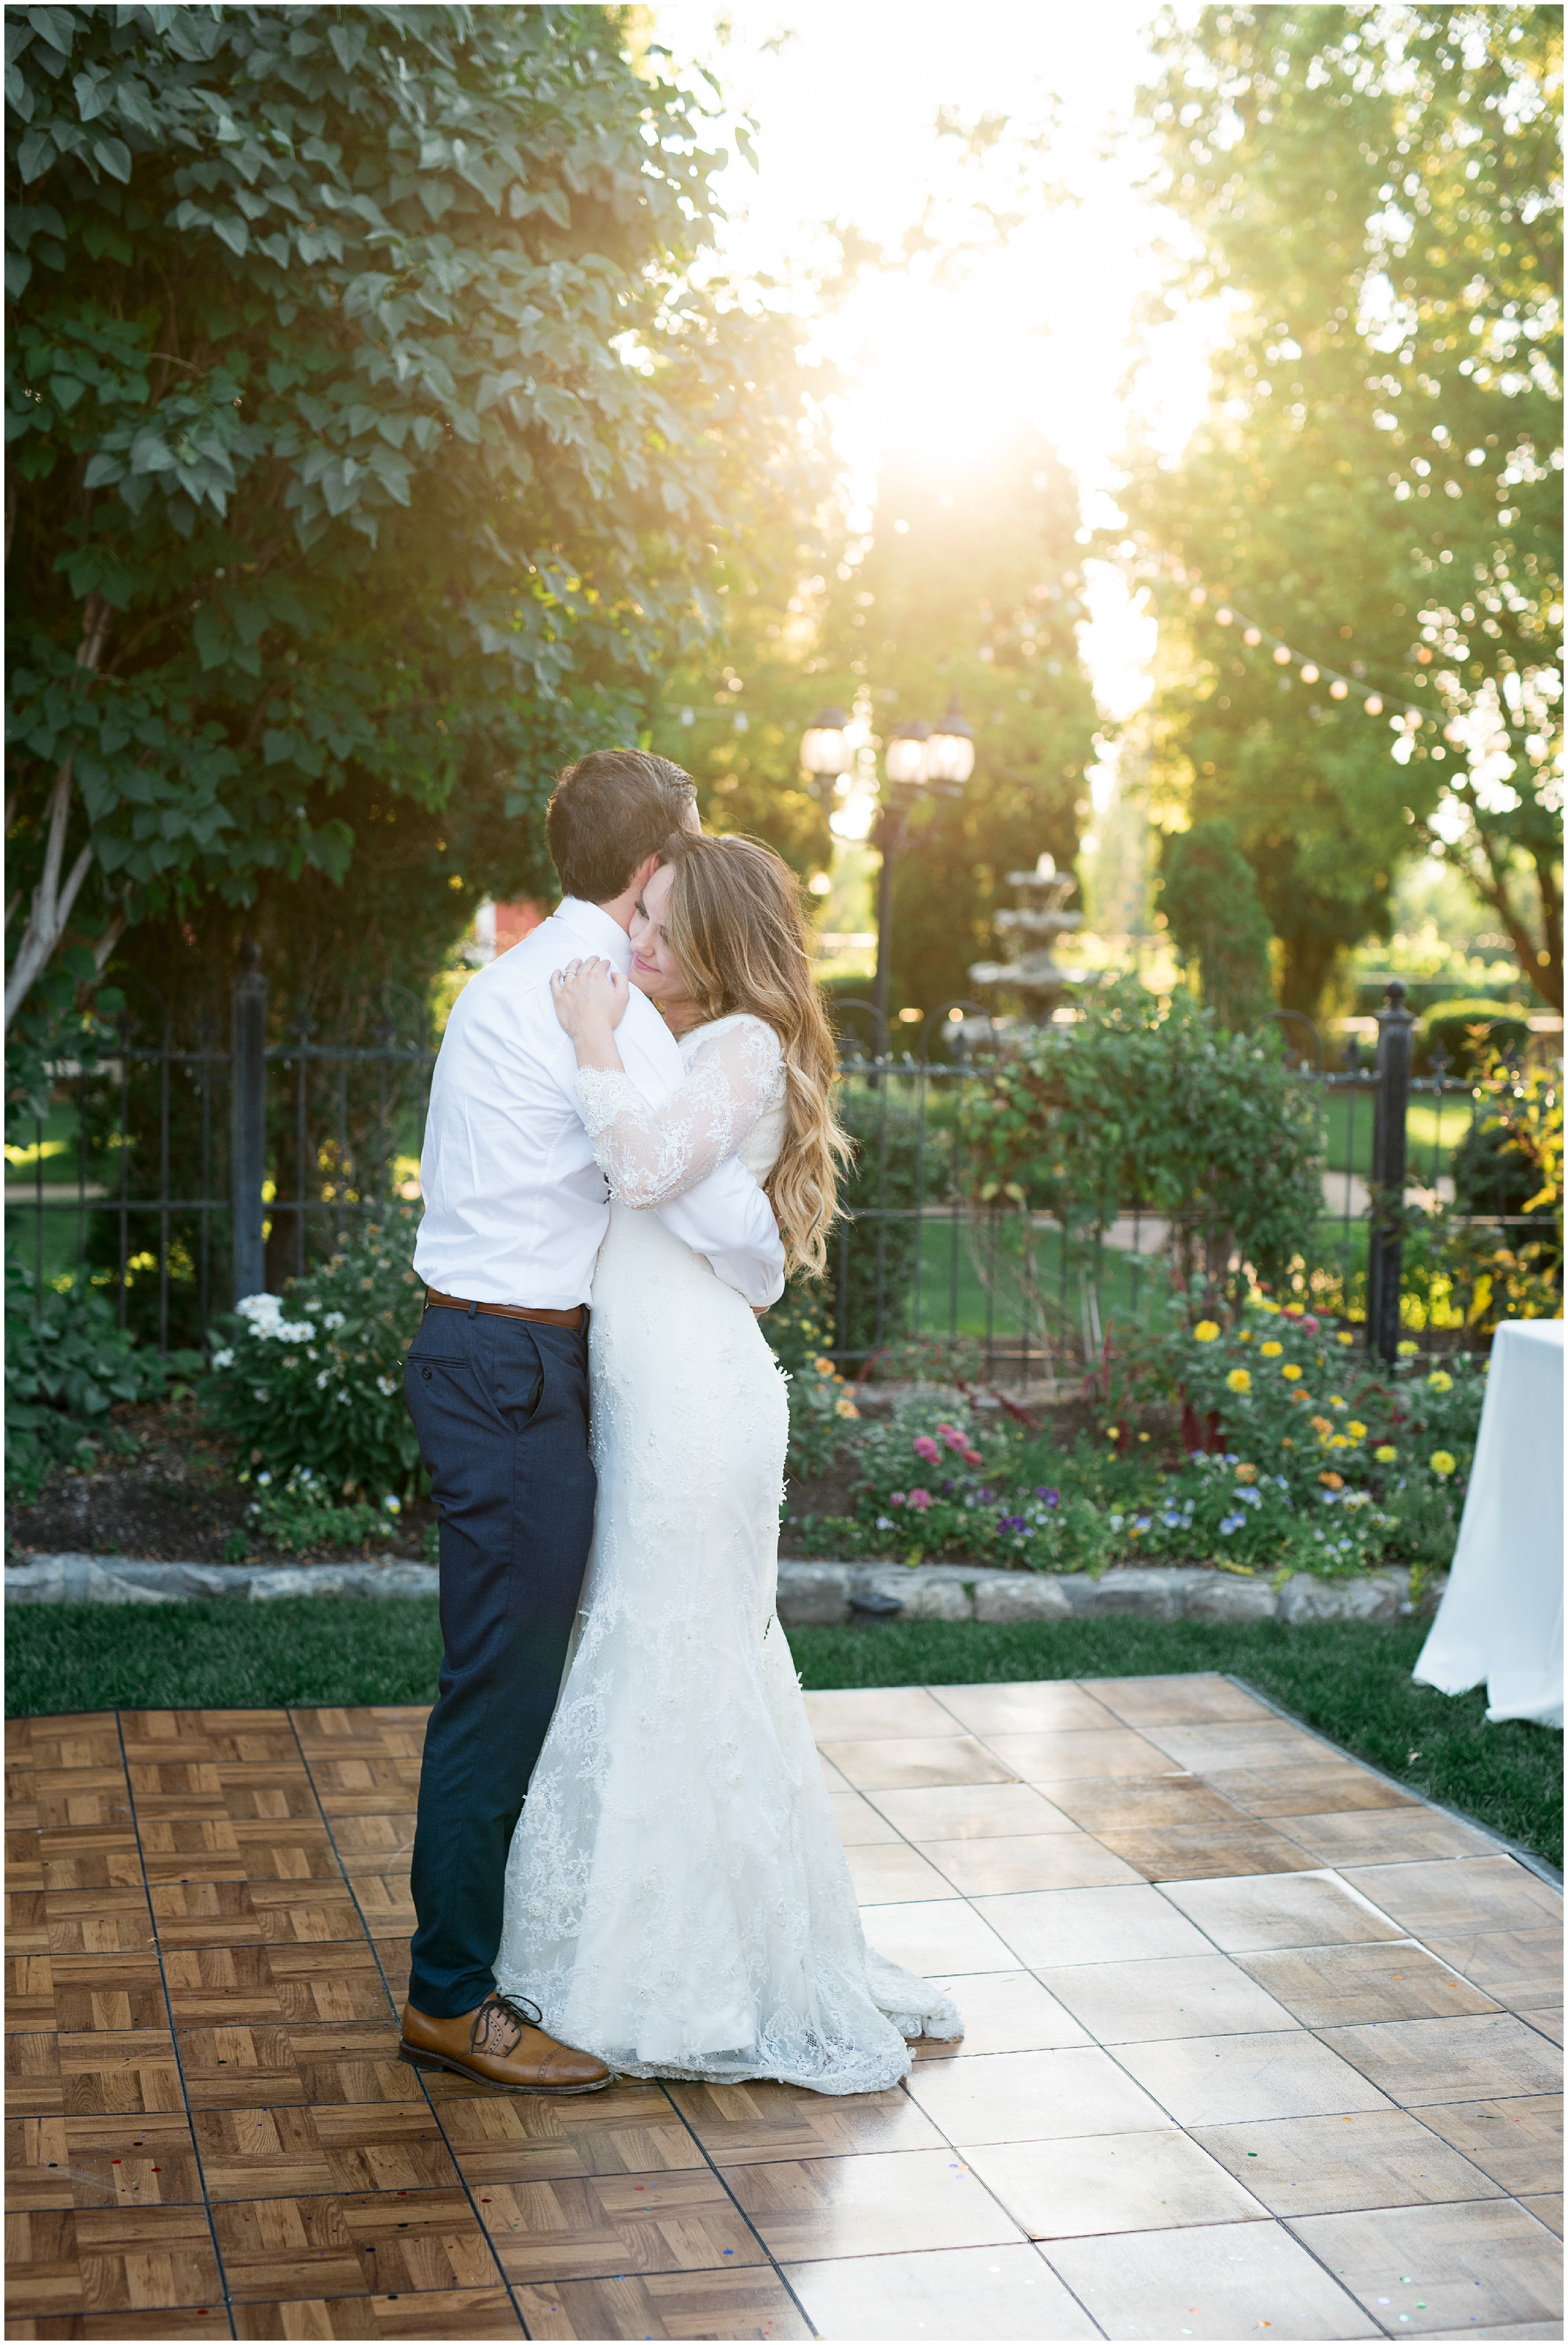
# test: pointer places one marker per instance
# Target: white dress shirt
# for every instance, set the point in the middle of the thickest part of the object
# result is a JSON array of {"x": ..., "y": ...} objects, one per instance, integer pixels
[{"x": 515, "y": 1206}]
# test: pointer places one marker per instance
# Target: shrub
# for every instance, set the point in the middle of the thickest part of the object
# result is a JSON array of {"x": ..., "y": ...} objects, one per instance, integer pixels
[
  {"x": 314, "y": 1377},
  {"x": 1467, "y": 1032},
  {"x": 1150, "y": 1104},
  {"x": 897, "y": 1168},
  {"x": 67, "y": 1364},
  {"x": 301, "y": 1513},
  {"x": 821, "y": 1416}
]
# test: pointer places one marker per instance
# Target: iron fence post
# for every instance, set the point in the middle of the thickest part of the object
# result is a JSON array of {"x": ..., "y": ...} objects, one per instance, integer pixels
[
  {"x": 249, "y": 1123},
  {"x": 1385, "y": 1239}
]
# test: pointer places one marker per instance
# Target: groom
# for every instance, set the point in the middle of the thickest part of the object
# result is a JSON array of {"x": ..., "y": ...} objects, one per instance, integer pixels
[{"x": 497, "y": 1385}]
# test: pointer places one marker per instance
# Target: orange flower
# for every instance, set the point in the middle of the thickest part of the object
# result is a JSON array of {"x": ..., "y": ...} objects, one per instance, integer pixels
[{"x": 1332, "y": 1481}]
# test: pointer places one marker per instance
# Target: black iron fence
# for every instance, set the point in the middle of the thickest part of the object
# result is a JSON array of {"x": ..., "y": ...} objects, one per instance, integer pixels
[{"x": 183, "y": 1175}]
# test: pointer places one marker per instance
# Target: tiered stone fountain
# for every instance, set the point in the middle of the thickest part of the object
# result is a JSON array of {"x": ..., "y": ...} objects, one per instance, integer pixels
[{"x": 1029, "y": 933}]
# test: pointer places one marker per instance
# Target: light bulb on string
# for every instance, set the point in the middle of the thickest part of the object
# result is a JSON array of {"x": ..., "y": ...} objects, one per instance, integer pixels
[
  {"x": 1338, "y": 688},
  {"x": 1223, "y": 617},
  {"x": 1252, "y": 637},
  {"x": 1281, "y": 655},
  {"x": 1374, "y": 705},
  {"x": 1308, "y": 671}
]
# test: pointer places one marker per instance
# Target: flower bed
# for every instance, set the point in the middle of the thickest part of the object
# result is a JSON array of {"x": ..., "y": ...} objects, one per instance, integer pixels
[{"x": 1298, "y": 1452}]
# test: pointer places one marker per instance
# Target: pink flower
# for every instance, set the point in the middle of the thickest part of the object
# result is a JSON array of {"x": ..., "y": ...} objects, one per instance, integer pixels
[
  {"x": 952, "y": 1437},
  {"x": 1309, "y": 1324},
  {"x": 973, "y": 1457},
  {"x": 926, "y": 1447},
  {"x": 897, "y": 1499},
  {"x": 920, "y": 1500}
]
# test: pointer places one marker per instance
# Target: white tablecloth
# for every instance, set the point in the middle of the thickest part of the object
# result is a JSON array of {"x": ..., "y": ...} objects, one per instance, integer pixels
[{"x": 1501, "y": 1618}]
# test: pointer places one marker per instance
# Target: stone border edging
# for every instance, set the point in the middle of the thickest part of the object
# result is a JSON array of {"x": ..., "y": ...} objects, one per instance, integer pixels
[{"x": 809, "y": 1594}]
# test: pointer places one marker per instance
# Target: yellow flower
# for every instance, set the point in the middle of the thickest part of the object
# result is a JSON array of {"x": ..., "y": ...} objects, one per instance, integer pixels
[
  {"x": 1443, "y": 1462},
  {"x": 1386, "y": 1455},
  {"x": 1244, "y": 1335},
  {"x": 1356, "y": 1429},
  {"x": 1344, "y": 1336},
  {"x": 1407, "y": 1350},
  {"x": 844, "y": 1408},
  {"x": 1271, "y": 1351},
  {"x": 1264, "y": 1305},
  {"x": 1239, "y": 1381},
  {"x": 1438, "y": 1382},
  {"x": 1291, "y": 1372},
  {"x": 1206, "y": 1330},
  {"x": 1337, "y": 1441},
  {"x": 1336, "y": 1402}
]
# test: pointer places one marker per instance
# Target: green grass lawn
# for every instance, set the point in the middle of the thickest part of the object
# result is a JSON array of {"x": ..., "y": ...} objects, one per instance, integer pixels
[{"x": 1350, "y": 1681}]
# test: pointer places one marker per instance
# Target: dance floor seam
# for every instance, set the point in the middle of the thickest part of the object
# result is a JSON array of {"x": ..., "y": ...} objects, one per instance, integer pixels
[{"x": 1257, "y": 2043}]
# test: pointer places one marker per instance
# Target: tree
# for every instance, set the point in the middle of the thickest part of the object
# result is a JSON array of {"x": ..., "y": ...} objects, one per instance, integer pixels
[
  {"x": 967, "y": 587},
  {"x": 370, "y": 442},
  {"x": 1374, "y": 196},
  {"x": 1211, "y": 898}
]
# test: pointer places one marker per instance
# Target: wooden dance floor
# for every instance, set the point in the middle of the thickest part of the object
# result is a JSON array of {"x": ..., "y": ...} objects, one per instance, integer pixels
[{"x": 1256, "y": 2046}]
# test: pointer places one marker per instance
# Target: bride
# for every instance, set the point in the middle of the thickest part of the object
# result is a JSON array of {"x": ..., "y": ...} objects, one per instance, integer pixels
[{"x": 677, "y": 1898}]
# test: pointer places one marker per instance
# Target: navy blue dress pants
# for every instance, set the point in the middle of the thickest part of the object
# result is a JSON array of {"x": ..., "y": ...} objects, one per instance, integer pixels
[{"x": 500, "y": 1407}]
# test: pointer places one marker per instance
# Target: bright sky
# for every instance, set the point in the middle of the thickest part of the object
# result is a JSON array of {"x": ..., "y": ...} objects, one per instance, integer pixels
[{"x": 847, "y": 98}]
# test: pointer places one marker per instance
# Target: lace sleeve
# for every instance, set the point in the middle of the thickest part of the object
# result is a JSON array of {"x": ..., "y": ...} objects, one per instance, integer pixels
[{"x": 650, "y": 1155}]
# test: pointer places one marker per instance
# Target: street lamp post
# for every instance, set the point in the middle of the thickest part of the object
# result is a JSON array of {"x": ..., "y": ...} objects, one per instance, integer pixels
[{"x": 920, "y": 760}]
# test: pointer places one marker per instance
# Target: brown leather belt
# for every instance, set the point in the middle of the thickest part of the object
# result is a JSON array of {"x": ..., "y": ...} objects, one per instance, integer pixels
[{"x": 572, "y": 1319}]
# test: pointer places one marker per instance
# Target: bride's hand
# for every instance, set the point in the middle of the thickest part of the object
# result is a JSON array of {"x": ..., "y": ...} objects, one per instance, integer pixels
[{"x": 591, "y": 1001}]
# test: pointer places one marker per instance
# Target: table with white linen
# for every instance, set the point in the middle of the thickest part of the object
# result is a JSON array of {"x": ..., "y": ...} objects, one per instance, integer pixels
[{"x": 1501, "y": 1618}]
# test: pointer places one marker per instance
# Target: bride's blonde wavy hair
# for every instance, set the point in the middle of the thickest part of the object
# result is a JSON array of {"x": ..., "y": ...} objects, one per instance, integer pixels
[{"x": 734, "y": 922}]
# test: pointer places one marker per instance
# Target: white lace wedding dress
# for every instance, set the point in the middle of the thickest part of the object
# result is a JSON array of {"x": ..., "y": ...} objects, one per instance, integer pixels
[{"x": 677, "y": 1898}]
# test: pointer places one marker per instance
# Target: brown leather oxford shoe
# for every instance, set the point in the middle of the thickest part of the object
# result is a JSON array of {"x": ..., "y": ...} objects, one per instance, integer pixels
[{"x": 500, "y": 2045}]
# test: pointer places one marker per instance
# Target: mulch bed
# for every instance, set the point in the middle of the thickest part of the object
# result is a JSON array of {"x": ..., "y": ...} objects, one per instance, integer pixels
[{"x": 173, "y": 1500}]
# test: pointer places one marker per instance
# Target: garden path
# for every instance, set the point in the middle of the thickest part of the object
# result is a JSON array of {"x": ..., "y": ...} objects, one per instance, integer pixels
[{"x": 1258, "y": 2045}]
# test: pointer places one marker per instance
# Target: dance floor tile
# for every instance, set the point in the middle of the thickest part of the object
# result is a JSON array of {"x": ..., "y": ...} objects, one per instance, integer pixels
[
  {"x": 399, "y": 1727},
  {"x": 909, "y": 1765},
  {"x": 1209, "y": 1749},
  {"x": 764, "y": 2124},
  {"x": 29, "y": 1994},
  {"x": 1336, "y": 1785},
  {"x": 631, "y": 2128},
  {"x": 1199, "y": 1699},
  {"x": 944, "y": 2292},
  {"x": 275, "y": 1793},
  {"x": 946, "y": 1935},
  {"x": 247, "y": 1736},
  {"x": 732, "y": 2304},
  {"x": 118, "y": 2074},
  {"x": 1062, "y": 1758},
  {"x": 366, "y": 1787},
  {"x": 1033, "y": 2097},
  {"x": 100, "y": 2161},
  {"x": 1003, "y": 2011},
  {"x": 882, "y": 1714},
  {"x": 1224, "y": 2280},
  {"x": 971, "y": 1812},
  {"x": 1060, "y": 1860},
  {"x": 107, "y": 2260},
  {"x": 367, "y": 2244},
  {"x": 989, "y": 1710},
  {"x": 419, "y": 2313},
  {"x": 97, "y": 1921},
  {"x": 1200, "y": 1852},
  {"x": 254, "y": 1849},
  {"x": 1442, "y": 2267},
  {"x": 1054, "y": 1927},
  {"x": 1384, "y": 1836},
  {"x": 1331, "y": 2165},
  {"x": 1461, "y": 1898},
  {"x": 179, "y": 1789},
  {"x": 892, "y": 1873},
  {"x": 200, "y": 2321},
  {"x": 336, "y": 1982},
  {"x": 34, "y": 2086},
  {"x": 1348, "y": 1987},
  {"x": 1143, "y": 1802},
  {"x": 610, "y": 2226},
  {"x": 1517, "y": 1967},
  {"x": 26, "y": 1923},
  {"x": 253, "y": 2067},
  {"x": 1518, "y": 2143},
  {"x": 97, "y": 1991},
  {"x": 859, "y": 1823},
  {"x": 385, "y": 1899},
  {"x": 1545, "y": 2023},
  {"x": 1140, "y": 2002},
  {"x": 1547, "y": 2210},
  {"x": 91, "y": 1739},
  {"x": 1250, "y": 1917},
  {"x": 380, "y": 1843},
  {"x": 24, "y": 1861},
  {"x": 1209, "y": 2080},
  {"x": 1112, "y": 2182},
  {"x": 255, "y": 1912},
  {"x": 1492, "y": 2056},
  {"x": 290, "y": 2152},
  {"x": 870, "y": 2205},
  {"x": 106, "y": 1858}
]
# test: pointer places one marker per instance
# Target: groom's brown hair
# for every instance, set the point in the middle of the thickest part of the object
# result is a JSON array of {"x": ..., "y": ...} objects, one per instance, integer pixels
[{"x": 610, "y": 811}]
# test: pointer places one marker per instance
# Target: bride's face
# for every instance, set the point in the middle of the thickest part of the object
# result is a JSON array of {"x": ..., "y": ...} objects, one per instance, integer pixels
[{"x": 655, "y": 972}]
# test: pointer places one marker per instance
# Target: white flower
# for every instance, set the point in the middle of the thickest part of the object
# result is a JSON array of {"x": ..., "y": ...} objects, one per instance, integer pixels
[
  {"x": 323, "y": 1379},
  {"x": 299, "y": 1331},
  {"x": 343, "y": 1393},
  {"x": 393, "y": 1505},
  {"x": 385, "y": 1384},
  {"x": 334, "y": 1320},
  {"x": 263, "y": 1481},
  {"x": 261, "y": 1310},
  {"x": 224, "y": 1359}
]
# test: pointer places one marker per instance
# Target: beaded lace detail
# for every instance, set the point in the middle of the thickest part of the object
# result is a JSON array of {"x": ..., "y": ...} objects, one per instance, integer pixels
[{"x": 677, "y": 1896}]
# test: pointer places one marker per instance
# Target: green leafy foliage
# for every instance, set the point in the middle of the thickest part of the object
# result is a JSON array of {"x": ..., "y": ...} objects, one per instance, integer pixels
[
  {"x": 821, "y": 1416},
  {"x": 1375, "y": 196},
  {"x": 314, "y": 1379},
  {"x": 900, "y": 1162},
  {"x": 937, "y": 1482},
  {"x": 1148, "y": 1103},
  {"x": 303, "y": 1513},
  {"x": 68, "y": 1361},
  {"x": 1469, "y": 1032},
  {"x": 370, "y": 435},
  {"x": 1209, "y": 897}
]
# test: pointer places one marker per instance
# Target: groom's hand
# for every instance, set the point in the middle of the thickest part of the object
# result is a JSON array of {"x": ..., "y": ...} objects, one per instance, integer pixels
[{"x": 591, "y": 1001}]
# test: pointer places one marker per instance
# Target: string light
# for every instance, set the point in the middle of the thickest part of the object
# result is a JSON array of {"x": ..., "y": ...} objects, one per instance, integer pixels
[{"x": 1409, "y": 719}]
